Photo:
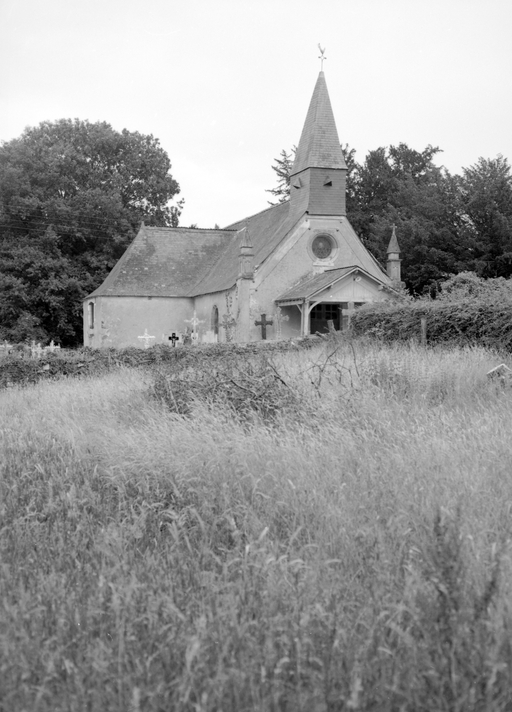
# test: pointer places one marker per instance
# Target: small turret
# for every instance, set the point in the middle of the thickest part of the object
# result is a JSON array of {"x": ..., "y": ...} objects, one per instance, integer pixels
[
  {"x": 246, "y": 256},
  {"x": 393, "y": 263}
]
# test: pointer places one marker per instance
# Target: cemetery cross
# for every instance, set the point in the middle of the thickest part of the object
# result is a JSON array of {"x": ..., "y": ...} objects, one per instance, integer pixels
[
  {"x": 264, "y": 322},
  {"x": 228, "y": 323},
  {"x": 146, "y": 338}
]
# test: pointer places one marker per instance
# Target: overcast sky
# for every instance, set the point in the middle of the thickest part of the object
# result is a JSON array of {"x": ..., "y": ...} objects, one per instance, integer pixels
[{"x": 225, "y": 84}]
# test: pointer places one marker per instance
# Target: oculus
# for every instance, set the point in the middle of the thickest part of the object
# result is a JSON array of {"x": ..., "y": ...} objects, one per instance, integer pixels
[{"x": 323, "y": 246}]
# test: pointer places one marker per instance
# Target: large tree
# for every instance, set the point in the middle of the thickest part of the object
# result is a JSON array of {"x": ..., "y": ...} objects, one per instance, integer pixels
[
  {"x": 402, "y": 186},
  {"x": 486, "y": 204},
  {"x": 72, "y": 195}
]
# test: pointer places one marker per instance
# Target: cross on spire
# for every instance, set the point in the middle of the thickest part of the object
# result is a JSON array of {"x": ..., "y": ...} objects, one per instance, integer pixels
[{"x": 321, "y": 57}]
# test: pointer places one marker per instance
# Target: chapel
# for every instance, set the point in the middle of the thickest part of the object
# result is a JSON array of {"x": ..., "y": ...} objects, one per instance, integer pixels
[{"x": 291, "y": 270}]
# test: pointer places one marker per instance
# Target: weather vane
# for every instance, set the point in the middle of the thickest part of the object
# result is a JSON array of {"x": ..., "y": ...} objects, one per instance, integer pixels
[{"x": 322, "y": 57}]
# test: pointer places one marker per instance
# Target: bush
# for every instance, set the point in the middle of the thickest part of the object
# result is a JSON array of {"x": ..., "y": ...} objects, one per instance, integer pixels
[
  {"x": 473, "y": 321},
  {"x": 17, "y": 369}
]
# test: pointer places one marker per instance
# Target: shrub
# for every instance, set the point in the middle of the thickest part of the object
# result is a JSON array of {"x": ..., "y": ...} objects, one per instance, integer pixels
[{"x": 474, "y": 321}]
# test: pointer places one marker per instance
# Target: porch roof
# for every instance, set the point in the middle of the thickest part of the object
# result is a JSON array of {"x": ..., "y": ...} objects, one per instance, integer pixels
[{"x": 309, "y": 287}]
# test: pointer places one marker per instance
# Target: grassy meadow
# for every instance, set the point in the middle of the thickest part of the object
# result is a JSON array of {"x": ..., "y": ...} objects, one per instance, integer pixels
[{"x": 313, "y": 531}]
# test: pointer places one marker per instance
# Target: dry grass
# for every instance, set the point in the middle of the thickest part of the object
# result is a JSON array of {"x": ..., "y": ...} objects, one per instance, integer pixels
[{"x": 350, "y": 550}]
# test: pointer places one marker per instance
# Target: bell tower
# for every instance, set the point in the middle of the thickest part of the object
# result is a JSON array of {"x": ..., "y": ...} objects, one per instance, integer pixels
[{"x": 319, "y": 174}]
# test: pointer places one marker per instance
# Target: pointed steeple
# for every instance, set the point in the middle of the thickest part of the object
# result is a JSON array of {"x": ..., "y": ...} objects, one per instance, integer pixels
[
  {"x": 393, "y": 246},
  {"x": 393, "y": 264},
  {"x": 319, "y": 145},
  {"x": 318, "y": 175}
]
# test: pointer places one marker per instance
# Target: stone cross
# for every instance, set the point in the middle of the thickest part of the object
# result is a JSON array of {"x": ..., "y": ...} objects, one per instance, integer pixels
[
  {"x": 228, "y": 323},
  {"x": 264, "y": 322},
  {"x": 174, "y": 339},
  {"x": 36, "y": 351},
  {"x": 194, "y": 323},
  {"x": 279, "y": 318},
  {"x": 52, "y": 347},
  {"x": 146, "y": 338}
]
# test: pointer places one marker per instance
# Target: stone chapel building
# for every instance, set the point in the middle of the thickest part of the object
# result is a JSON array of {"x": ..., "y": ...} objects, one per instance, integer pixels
[{"x": 282, "y": 273}]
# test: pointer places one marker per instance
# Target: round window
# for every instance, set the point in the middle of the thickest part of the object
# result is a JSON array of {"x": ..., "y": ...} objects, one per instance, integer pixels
[{"x": 322, "y": 246}]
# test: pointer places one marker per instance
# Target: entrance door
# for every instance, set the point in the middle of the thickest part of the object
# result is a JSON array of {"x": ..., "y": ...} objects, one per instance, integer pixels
[{"x": 321, "y": 314}]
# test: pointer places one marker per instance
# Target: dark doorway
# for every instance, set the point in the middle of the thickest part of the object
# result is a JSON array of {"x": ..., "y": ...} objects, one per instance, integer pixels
[{"x": 321, "y": 314}]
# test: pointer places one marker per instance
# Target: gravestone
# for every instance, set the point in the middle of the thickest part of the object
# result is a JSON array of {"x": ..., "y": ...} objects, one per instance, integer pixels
[
  {"x": 146, "y": 338},
  {"x": 500, "y": 374},
  {"x": 194, "y": 323},
  {"x": 264, "y": 322},
  {"x": 279, "y": 318},
  {"x": 36, "y": 350},
  {"x": 228, "y": 323},
  {"x": 173, "y": 339}
]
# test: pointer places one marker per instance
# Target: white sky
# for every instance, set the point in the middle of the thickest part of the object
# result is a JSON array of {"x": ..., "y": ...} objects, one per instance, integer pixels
[{"x": 225, "y": 84}]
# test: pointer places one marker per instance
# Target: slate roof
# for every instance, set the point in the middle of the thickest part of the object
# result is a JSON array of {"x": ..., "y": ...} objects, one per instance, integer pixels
[
  {"x": 310, "y": 286},
  {"x": 186, "y": 262},
  {"x": 165, "y": 262},
  {"x": 393, "y": 243},
  {"x": 319, "y": 145}
]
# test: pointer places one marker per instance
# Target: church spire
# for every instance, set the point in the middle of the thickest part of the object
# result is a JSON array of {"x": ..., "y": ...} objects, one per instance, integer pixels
[
  {"x": 318, "y": 175},
  {"x": 319, "y": 145}
]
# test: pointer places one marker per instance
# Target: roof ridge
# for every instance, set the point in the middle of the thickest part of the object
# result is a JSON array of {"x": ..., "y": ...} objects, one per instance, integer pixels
[
  {"x": 260, "y": 212},
  {"x": 181, "y": 227}
]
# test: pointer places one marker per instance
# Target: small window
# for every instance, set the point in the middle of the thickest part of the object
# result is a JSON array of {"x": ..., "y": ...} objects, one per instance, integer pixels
[
  {"x": 215, "y": 320},
  {"x": 91, "y": 315},
  {"x": 322, "y": 247}
]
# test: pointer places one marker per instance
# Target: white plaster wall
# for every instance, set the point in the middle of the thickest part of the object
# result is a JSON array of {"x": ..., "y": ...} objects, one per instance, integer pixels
[
  {"x": 204, "y": 304},
  {"x": 119, "y": 321}
]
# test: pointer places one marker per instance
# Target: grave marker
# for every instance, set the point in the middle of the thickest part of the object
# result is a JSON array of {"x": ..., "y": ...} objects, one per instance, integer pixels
[
  {"x": 228, "y": 323},
  {"x": 36, "y": 350},
  {"x": 146, "y": 338},
  {"x": 279, "y": 318},
  {"x": 194, "y": 322},
  {"x": 501, "y": 373},
  {"x": 264, "y": 322}
]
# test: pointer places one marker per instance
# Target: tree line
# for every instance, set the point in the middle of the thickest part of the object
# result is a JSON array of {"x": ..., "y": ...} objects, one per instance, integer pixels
[{"x": 446, "y": 224}]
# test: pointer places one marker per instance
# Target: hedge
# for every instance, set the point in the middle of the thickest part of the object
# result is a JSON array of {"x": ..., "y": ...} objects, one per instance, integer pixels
[
  {"x": 18, "y": 368},
  {"x": 474, "y": 321}
]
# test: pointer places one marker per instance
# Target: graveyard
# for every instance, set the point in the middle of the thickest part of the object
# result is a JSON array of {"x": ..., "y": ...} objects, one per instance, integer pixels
[{"x": 324, "y": 527}]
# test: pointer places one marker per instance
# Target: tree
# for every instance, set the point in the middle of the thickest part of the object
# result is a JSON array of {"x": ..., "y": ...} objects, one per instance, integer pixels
[
  {"x": 403, "y": 187},
  {"x": 486, "y": 203},
  {"x": 282, "y": 168},
  {"x": 72, "y": 196}
]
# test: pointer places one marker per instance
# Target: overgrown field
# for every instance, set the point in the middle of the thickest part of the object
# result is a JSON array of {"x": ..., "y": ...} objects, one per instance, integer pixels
[{"x": 324, "y": 530}]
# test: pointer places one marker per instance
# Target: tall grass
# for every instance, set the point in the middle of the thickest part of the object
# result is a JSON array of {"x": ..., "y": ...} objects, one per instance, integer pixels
[{"x": 347, "y": 548}]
